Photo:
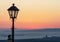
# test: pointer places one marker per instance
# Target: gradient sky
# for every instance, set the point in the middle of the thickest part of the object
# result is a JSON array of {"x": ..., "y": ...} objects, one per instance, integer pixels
[{"x": 33, "y": 14}]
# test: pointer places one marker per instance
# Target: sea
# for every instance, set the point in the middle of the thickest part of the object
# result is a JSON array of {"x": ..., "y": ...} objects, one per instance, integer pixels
[{"x": 28, "y": 34}]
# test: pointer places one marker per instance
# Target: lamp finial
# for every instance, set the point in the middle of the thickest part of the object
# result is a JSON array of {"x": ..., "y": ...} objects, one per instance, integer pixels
[{"x": 13, "y": 4}]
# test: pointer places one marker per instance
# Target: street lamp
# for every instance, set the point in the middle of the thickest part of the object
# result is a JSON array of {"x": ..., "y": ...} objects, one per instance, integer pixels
[{"x": 13, "y": 12}]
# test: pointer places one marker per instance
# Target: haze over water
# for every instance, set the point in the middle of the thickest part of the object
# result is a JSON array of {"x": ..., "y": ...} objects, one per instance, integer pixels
[{"x": 28, "y": 34}]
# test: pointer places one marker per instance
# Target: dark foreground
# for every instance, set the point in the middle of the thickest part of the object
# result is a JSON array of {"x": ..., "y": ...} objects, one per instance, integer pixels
[{"x": 47, "y": 39}]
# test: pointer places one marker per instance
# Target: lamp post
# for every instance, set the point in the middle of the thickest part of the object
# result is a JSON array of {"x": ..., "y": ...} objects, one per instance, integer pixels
[{"x": 13, "y": 12}]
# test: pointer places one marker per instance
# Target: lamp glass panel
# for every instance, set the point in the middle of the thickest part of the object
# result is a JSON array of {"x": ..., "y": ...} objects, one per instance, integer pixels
[
  {"x": 16, "y": 13},
  {"x": 13, "y": 13},
  {"x": 10, "y": 13}
]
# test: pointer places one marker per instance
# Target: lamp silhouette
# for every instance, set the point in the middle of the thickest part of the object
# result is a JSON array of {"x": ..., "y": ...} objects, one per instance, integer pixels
[{"x": 13, "y": 12}]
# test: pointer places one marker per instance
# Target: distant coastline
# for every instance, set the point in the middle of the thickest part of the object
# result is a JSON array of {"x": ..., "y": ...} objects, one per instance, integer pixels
[{"x": 45, "y": 39}]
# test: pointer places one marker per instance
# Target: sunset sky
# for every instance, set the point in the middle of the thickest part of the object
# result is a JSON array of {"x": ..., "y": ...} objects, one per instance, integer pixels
[{"x": 33, "y": 14}]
